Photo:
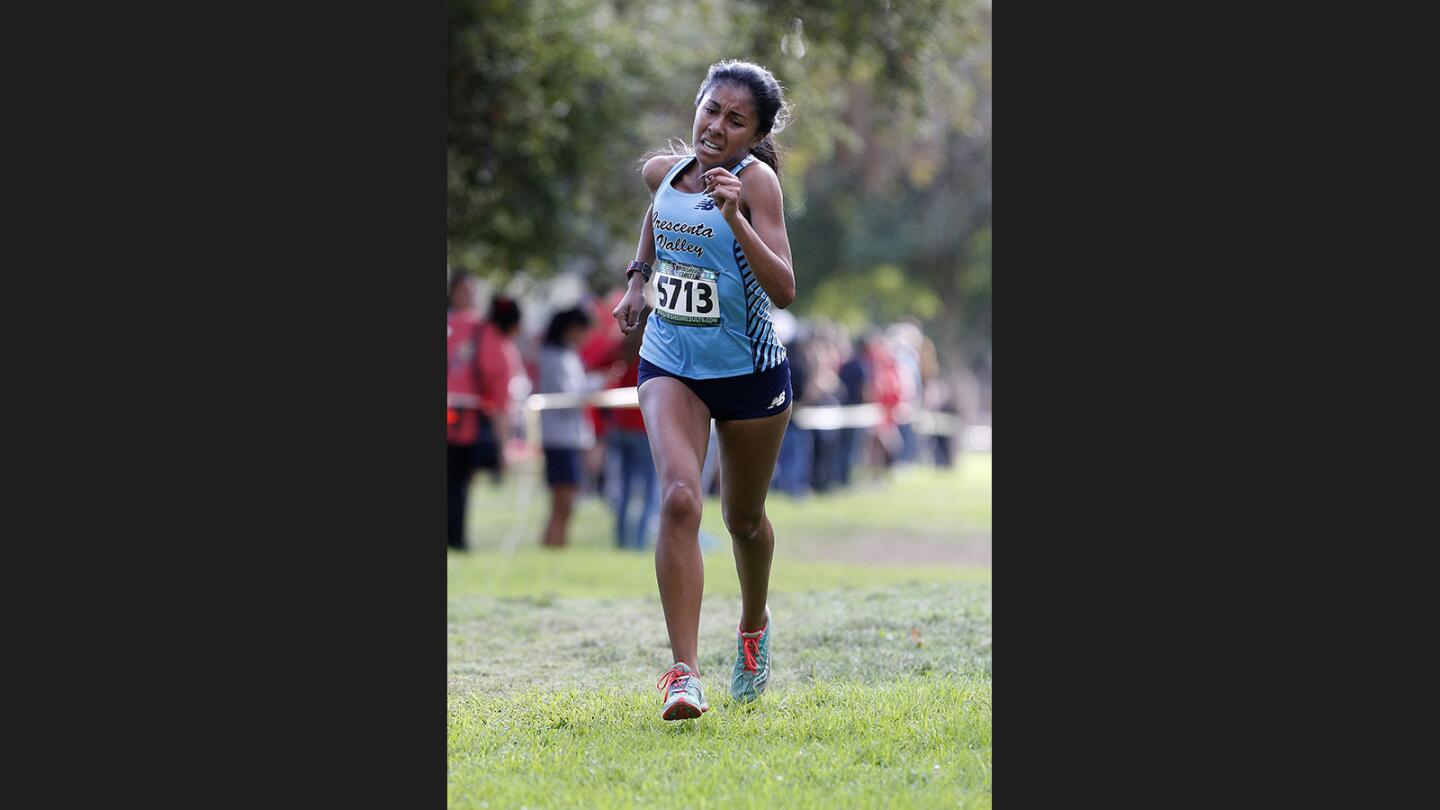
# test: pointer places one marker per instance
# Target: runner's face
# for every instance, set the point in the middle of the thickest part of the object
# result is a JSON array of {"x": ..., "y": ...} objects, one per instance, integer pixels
[{"x": 726, "y": 125}]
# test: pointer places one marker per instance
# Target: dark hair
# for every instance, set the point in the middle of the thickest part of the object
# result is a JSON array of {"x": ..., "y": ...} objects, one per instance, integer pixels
[
  {"x": 561, "y": 323},
  {"x": 770, "y": 102},
  {"x": 504, "y": 312}
]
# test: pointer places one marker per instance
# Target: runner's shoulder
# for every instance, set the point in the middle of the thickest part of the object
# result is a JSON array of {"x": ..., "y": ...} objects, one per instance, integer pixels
[
  {"x": 759, "y": 172},
  {"x": 759, "y": 178},
  {"x": 657, "y": 167}
]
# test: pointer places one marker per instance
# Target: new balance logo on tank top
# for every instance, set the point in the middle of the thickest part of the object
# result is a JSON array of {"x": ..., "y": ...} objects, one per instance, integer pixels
[{"x": 711, "y": 318}]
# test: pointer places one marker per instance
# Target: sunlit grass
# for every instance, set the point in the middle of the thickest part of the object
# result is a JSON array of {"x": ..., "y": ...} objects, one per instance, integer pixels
[
  {"x": 880, "y": 693},
  {"x": 918, "y": 503},
  {"x": 909, "y": 742}
]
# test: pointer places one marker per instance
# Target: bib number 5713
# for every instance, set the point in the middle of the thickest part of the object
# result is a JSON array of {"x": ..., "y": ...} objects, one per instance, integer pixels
[
  {"x": 698, "y": 298},
  {"x": 687, "y": 295}
]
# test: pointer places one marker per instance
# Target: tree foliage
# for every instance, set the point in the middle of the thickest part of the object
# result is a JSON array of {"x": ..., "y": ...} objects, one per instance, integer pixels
[{"x": 886, "y": 164}]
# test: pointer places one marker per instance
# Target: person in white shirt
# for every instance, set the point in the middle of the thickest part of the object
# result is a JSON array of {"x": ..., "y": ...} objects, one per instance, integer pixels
[{"x": 565, "y": 432}]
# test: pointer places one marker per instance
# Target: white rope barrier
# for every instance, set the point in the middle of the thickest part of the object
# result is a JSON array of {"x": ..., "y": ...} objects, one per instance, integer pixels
[
  {"x": 834, "y": 417},
  {"x": 608, "y": 398},
  {"x": 811, "y": 417}
]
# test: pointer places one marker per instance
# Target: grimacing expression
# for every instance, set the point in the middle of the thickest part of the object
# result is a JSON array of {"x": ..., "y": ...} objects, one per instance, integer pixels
[{"x": 726, "y": 124}]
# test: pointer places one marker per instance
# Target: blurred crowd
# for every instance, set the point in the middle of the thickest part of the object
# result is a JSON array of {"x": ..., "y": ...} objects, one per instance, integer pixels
[
  {"x": 895, "y": 367},
  {"x": 500, "y": 351}
]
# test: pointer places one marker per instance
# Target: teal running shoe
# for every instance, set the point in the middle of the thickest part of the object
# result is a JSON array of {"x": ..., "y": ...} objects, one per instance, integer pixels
[
  {"x": 752, "y": 663},
  {"x": 684, "y": 699}
]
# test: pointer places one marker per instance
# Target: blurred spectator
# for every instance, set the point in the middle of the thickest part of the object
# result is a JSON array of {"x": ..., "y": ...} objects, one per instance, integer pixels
[
  {"x": 905, "y": 341},
  {"x": 565, "y": 432},
  {"x": 885, "y": 392},
  {"x": 633, "y": 466},
  {"x": 600, "y": 354},
  {"x": 930, "y": 376},
  {"x": 824, "y": 389},
  {"x": 940, "y": 397},
  {"x": 792, "y": 469},
  {"x": 854, "y": 377},
  {"x": 481, "y": 362},
  {"x": 501, "y": 370},
  {"x": 462, "y": 416}
]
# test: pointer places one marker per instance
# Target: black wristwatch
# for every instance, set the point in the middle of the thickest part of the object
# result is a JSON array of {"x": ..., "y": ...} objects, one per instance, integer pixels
[{"x": 643, "y": 267}]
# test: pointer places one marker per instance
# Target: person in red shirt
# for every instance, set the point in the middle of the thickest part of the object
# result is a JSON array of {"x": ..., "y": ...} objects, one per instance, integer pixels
[
  {"x": 462, "y": 417},
  {"x": 501, "y": 368},
  {"x": 885, "y": 387},
  {"x": 481, "y": 360}
]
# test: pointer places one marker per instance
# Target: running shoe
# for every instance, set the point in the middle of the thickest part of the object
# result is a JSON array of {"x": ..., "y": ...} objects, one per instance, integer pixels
[
  {"x": 684, "y": 699},
  {"x": 752, "y": 663}
]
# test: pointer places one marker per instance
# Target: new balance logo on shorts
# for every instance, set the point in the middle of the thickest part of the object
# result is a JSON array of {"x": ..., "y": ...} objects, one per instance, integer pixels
[{"x": 778, "y": 401}]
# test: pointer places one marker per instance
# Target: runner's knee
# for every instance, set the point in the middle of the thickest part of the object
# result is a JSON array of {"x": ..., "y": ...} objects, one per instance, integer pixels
[
  {"x": 744, "y": 527},
  {"x": 680, "y": 501}
]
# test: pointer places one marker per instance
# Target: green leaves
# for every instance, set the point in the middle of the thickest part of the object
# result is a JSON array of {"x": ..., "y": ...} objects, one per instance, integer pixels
[
  {"x": 883, "y": 294},
  {"x": 886, "y": 164},
  {"x": 543, "y": 133}
]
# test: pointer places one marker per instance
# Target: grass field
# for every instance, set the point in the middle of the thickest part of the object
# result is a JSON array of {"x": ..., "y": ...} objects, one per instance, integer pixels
[{"x": 882, "y": 666}]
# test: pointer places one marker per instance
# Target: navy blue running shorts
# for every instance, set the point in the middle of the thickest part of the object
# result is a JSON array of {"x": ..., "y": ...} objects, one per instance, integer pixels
[{"x": 748, "y": 396}]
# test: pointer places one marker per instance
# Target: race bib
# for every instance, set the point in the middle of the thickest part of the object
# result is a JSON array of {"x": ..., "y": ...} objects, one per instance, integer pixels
[{"x": 687, "y": 295}]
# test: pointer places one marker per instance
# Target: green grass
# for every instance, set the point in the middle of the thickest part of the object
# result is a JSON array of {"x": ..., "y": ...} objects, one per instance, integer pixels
[
  {"x": 910, "y": 742},
  {"x": 882, "y": 671},
  {"x": 543, "y": 574},
  {"x": 498, "y": 644},
  {"x": 921, "y": 508}
]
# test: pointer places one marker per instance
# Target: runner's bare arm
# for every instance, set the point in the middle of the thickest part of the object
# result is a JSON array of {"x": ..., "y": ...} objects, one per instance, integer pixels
[
  {"x": 654, "y": 172},
  {"x": 632, "y": 305},
  {"x": 762, "y": 236},
  {"x": 645, "y": 251}
]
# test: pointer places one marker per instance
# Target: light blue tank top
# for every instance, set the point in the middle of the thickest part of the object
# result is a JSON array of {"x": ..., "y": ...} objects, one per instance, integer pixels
[{"x": 711, "y": 318}]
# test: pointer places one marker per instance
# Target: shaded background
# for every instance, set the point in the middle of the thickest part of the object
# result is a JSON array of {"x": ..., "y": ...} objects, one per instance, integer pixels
[{"x": 886, "y": 165}]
